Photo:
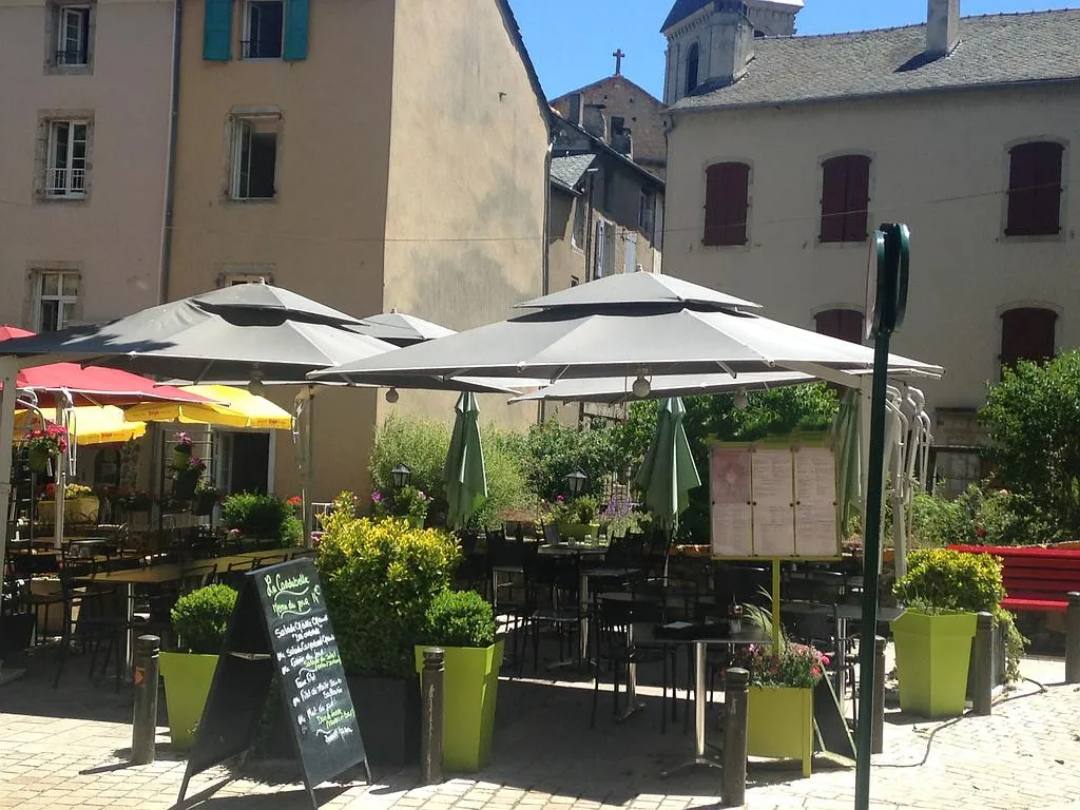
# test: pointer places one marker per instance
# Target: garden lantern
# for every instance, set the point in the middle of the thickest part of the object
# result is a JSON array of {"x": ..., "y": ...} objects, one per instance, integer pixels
[
  {"x": 401, "y": 474},
  {"x": 575, "y": 482}
]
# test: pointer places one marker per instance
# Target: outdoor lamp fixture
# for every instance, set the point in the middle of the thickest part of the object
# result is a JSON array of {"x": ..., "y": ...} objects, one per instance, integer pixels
[
  {"x": 575, "y": 482},
  {"x": 392, "y": 395},
  {"x": 641, "y": 386},
  {"x": 401, "y": 474},
  {"x": 742, "y": 399},
  {"x": 256, "y": 386}
]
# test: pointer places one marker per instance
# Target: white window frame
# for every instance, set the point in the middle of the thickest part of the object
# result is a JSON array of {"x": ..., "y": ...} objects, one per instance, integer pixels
[
  {"x": 250, "y": 124},
  {"x": 629, "y": 252},
  {"x": 61, "y": 182},
  {"x": 83, "y": 43},
  {"x": 60, "y": 297},
  {"x": 244, "y": 50}
]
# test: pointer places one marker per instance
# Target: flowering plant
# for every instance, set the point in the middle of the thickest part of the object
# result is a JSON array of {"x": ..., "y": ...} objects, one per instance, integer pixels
[
  {"x": 571, "y": 510},
  {"x": 795, "y": 665},
  {"x": 407, "y": 501},
  {"x": 73, "y": 491},
  {"x": 52, "y": 439},
  {"x": 621, "y": 517},
  {"x": 182, "y": 440}
]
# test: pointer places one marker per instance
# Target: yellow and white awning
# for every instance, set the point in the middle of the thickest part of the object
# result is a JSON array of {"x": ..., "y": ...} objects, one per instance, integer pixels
[
  {"x": 90, "y": 424},
  {"x": 230, "y": 407}
]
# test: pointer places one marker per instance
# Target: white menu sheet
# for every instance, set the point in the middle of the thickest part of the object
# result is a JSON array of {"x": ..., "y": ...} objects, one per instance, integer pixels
[{"x": 773, "y": 502}]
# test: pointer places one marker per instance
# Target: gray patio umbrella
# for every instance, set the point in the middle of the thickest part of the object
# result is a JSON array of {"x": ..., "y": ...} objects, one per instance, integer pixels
[
  {"x": 617, "y": 390},
  {"x": 466, "y": 479},
  {"x": 401, "y": 329},
  {"x": 636, "y": 325}
]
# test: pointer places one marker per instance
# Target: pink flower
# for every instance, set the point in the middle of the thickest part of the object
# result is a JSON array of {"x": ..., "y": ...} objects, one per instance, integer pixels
[
  {"x": 560, "y": 499},
  {"x": 376, "y": 497},
  {"x": 825, "y": 660},
  {"x": 817, "y": 671}
]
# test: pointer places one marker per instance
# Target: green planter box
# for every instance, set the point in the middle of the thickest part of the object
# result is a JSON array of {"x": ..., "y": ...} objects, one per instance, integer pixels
[
  {"x": 471, "y": 683},
  {"x": 932, "y": 658},
  {"x": 577, "y": 532},
  {"x": 187, "y": 686},
  {"x": 780, "y": 724}
]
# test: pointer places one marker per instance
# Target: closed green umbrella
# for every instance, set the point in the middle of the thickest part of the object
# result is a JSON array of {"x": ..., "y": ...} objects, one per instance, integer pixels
[
  {"x": 668, "y": 472},
  {"x": 466, "y": 482},
  {"x": 845, "y": 434}
]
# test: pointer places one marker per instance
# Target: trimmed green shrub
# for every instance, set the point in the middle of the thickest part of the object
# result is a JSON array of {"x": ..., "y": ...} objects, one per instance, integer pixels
[
  {"x": 380, "y": 578},
  {"x": 459, "y": 619},
  {"x": 263, "y": 517},
  {"x": 201, "y": 618}
]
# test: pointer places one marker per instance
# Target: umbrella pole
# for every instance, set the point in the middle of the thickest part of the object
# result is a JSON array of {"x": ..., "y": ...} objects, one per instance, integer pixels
[
  {"x": 307, "y": 427},
  {"x": 776, "y": 603},
  {"x": 9, "y": 372}
]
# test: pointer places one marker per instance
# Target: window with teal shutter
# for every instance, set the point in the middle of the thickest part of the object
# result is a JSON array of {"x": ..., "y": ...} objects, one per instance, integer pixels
[
  {"x": 217, "y": 31},
  {"x": 296, "y": 30}
]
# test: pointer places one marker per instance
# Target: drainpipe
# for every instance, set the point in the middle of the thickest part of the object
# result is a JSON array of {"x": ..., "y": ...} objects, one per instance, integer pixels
[
  {"x": 545, "y": 272},
  {"x": 170, "y": 172}
]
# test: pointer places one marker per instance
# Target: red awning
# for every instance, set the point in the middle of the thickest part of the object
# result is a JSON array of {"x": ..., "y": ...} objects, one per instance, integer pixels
[{"x": 92, "y": 385}]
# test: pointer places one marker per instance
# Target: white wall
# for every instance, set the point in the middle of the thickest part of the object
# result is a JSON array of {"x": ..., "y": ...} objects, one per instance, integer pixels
[{"x": 940, "y": 164}]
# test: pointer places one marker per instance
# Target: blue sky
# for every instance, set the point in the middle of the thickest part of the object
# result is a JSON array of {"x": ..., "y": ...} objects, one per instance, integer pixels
[{"x": 571, "y": 41}]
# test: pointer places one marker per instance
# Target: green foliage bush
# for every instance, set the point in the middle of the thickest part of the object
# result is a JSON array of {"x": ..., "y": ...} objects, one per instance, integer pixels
[
  {"x": 459, "y": 619},
  {"x": 265, "y": 517},
  {"x": 200, "y": 619},
  {"x": 380, "y": 578},
  {"x": 1033, "y": 421},
  {"x": 422, "y": 445},
  {"x": 555, "y": 450},
  {"x": 979, "y": 516},
  {"x": 943, "y": 581}
]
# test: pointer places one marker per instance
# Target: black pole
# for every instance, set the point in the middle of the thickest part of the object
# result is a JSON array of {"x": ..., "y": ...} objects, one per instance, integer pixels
[
  {"x": 144, "y": 725},
  {"x": 736, "y": 682},
  {"x": 871, "y": 560},
  {"x": 431, "y": 736}
]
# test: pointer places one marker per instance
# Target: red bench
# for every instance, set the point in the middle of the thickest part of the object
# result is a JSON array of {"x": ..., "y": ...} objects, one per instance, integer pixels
[{"x": 1035, "y": 579}]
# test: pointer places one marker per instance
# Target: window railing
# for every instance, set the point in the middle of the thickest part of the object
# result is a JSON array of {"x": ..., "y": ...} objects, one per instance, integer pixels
[
  {"x": 261, "y": 48},
  {"x": 72, "y": 57},
  {"x": 65, "y": 182}
]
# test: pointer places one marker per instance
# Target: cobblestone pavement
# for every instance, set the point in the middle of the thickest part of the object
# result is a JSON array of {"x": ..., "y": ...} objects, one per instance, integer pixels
[{"x": 69, "y": 747}]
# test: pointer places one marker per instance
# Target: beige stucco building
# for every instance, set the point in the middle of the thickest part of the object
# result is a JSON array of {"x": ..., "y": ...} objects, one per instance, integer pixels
[
  {"x": 790, "y": 150},
  {"x": 377, "y": 154},
  {"x": 85, "y": 137}
]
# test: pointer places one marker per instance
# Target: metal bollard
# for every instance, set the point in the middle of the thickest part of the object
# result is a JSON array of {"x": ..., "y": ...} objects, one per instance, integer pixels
[
  {"x": 144, "y": 723},
  {"x": 736, "y": 683},
  {"x": 1072, "y": 639},
  {"x": 877, "y": 722},
  {"x": 984, "y": 665},
  {"x": 431, "y": 735}
]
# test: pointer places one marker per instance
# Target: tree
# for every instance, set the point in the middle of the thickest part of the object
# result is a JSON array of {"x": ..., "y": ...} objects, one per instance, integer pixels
[{"x": 1033, "y": 420}]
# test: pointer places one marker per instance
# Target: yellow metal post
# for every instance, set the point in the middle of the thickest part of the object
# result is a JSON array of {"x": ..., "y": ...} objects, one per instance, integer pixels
[{"x": 776, "y": 603}]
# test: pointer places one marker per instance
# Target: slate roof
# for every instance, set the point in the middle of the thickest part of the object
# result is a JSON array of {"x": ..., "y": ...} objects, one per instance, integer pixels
[
  {"x": 568, "y": 170},
  {"x": 994, "y": 50},
  {"x": 684, "y": 8}
]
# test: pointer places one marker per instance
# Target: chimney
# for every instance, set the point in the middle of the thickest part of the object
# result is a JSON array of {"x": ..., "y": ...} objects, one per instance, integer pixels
[
  {"x": 732, "y": 43},
  {"x": 594, "y": 122},
  {"x": 574, "y": 113},
  {"x": 942, "y": 27}
]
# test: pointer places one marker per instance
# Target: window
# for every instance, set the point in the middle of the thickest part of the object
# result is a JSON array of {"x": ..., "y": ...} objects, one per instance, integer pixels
[
  {"x": 254, "y": 158},
  {"x": 56, "y": 299},
  {"x": 647, "y": 214},
  {"x": 578, "y": 236},
  {"x": 263, "y": 29},
  {"x": 232, "y": 275},
  {"x": 73, "y": 35},
  {"x": 1035, "y": 189},
  {"x": 1027, "y": 333},
  {"x": 693, "y": 57},
  {"x": 845, "y": 198},
  {"x": 727, "y": 198},
  {"x": 65, "y": 165},
  {"x": 845, "y": 324}
]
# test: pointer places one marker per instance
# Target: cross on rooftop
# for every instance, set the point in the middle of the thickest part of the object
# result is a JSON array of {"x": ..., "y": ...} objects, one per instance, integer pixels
[{"x": 619, "y": 56}]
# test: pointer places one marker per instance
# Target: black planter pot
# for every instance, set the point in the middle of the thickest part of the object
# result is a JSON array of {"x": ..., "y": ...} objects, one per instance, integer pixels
[
  {"x": 16, "y": 630},
  {"x": 388, "y": 710}
]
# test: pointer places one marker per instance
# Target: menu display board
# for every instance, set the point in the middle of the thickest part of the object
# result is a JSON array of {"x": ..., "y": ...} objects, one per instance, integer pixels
[
  {"x": 280, "y": 631},
  {"x": 776, "y": 500}
]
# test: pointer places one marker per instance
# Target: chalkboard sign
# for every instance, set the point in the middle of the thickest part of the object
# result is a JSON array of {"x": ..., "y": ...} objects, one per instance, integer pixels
[{"x": 280, "y": 631}]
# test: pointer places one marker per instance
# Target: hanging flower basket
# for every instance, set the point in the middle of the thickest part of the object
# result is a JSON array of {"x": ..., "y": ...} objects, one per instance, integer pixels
[{"x": 38, "y": 460}]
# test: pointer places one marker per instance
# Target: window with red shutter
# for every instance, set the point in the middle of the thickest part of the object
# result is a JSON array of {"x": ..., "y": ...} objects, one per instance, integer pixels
[
  {"x": 1027, "y": 333},
  {"x": 845, "y": 198},
  {"x": 1035, "y": 189},
  {"x": 845, "y": 324},
  {"x": 727, "y": 199}
]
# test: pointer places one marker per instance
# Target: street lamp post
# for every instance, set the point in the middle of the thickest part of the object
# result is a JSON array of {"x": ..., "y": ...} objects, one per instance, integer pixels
[
  {"x": 401, "y": 474},
  {"x": 575, "y": 482}
]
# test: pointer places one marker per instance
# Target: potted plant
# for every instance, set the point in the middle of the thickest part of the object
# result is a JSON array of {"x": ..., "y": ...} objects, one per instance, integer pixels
[
  {"x": 186, "y": 479},
  {"x": 181, "y": 453},
  {"x": 200, "y": 620},
  {"x": 81, "y": 505},
  {"x": 462, "y": 623},
  {"x": 576, "y": 518},
  {"x": 44, "y": 444},
  {"x": 405, "y": 502},
  {"x": 941, "y": 593},
  {"x": 206, "y": 497},
  {"x": 379, "y": 579},
  {"x": 780, "y": 705},
  {"x": 262, "y": 517}
]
